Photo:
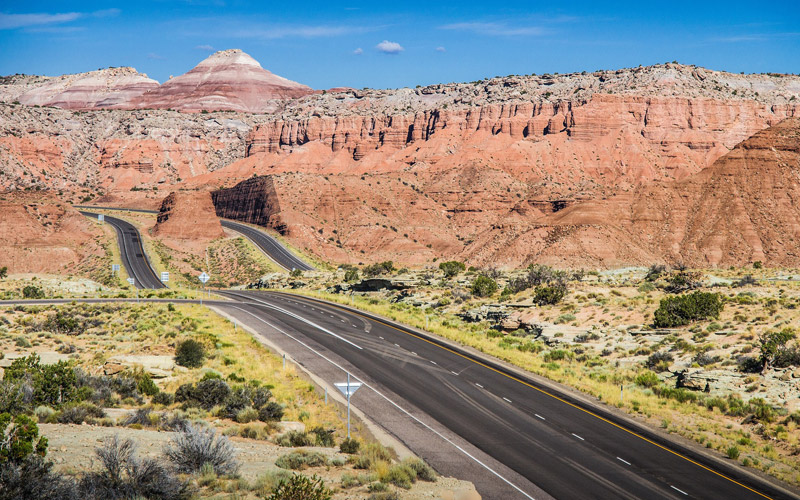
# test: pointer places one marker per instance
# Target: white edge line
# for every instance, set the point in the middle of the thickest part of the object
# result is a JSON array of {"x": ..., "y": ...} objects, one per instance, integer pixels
[
  {"x": 459, "y": 448},
  {"x": 479, "y": 385},
  {"x": 293, "y": 315},
  {"x": 506, "y": 399},
  {"x": 623, "y": 461},
  {"x": 577, "y": 436},
  {"x": 677, "y": 489},
  {"x": 539, "y": 416}
]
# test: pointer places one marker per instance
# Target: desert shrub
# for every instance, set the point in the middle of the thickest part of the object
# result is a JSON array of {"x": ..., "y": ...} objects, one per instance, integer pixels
[
  {"x": 77, "y": 413},
  {"x": 163, "y": 398},
  {"x": 144, "y": 383},
  {"x": 483, "y": 286},
  {"x": 300, "y": 459},
  {"x": 549, "y": 294},
  {"x": 293, "y": 439},
  {"x": 271, "y": 411},
  {"x": 351, "y": 275},
  {"x": 746, "y": 281},
  {"x": 206, "y": 394},
  {"x": 141, "y": 417},
  {"x": 296, "y": 273},
  {"x": 247, "y": 415},
  {"x": 772, "y": 346},
  {"x": 190, "y": 353},
  {"x": 683, "y": 309},
  {"x": 242, "y": 397},
  {"x": 323, "y": 437},
  {"x": 655, "y": 271},
  {"x": 758, "y": 264},
  {"x": 20, "y": 439},
  {"x": 349, "y": 446},
  {"x": 680, "y": 395},
  {"x": 682, "y": 281},
  {"x": 32, "y": 292},
  {"x": 400, "y": 475},
  {"x": 371, "y": 454},
  {"x": 124, "y": 476},
  {"x": 372, "y": 270},
  {"x": 174, "y": 421},
  {"x": 384, "y": 495},
  {"x": 733, "y": 452},
  {"x": 52, "y": 385},
  {"x": 558, "y": 355},
  {"x": 647, "y": 379},
  {"x": 659, "y": 361},
  {"x": 452, "y": 268},
  {"x": 300, "y": 487},
  {"x": 196, "y": 446},
  {"x": 15, "y": 397},
  {"x": 422, "y": 470}
]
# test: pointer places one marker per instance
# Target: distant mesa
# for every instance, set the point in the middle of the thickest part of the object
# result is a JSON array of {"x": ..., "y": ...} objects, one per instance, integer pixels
[{"x": 229, "y": 80}]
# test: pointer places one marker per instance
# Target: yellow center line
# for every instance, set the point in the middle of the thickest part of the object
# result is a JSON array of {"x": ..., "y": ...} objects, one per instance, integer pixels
[{"x": 633, "y": 433}]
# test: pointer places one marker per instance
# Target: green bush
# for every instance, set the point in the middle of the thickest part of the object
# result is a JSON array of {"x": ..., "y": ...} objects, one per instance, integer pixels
[
  {"x": 549, "y": 294},
  {"x": 351, "y": 275},
  {"x": 53, "y": 385},
  {"x": 323, "y": 437},
  {"x": 300, "y": 459},
  {"x": 190, "y": 353},
  {"x": 683, "y": 309},
  {"x": 32, "y": 292},
  {"x": 483, "y": 286},
  {"x": 271, "y": 411},
  {"x": 378, "y": 269},
  {"x": 349, "y": 446},
  {"x": 293, "y": 439},
  {"x": 400, "y": 475},
  {"x": 647, "y": 379},
  {"x": 733, "y": 452},
  {"x": 20, "y": 439},
  {"x": 452, "y": 268},
  {"x": 300, "y": 487},
  {"x": 422, "y": 470}
]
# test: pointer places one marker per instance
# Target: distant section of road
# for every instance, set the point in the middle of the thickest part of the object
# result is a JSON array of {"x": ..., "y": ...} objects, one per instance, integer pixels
[
  {"x": 266, "y": 243},
  {"x": 132, "y": 253},
  {"x": 269, "y": 245}
]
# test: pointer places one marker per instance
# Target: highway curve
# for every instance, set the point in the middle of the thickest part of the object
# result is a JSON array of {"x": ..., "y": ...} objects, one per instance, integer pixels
[
  {"x": 266, "y": 243},
  {"x": 132, "y": 253},
  {"x": 563, "y": 444},
  {"x": 269, "y": 246}
]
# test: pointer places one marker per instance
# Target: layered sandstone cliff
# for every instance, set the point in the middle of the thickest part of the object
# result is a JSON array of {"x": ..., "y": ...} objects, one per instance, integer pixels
[
  {"x": 42, "y": 234},
  {"x": 188, "y": 215}
]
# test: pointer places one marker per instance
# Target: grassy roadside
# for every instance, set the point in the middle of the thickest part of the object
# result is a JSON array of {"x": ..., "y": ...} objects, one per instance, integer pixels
[{"x": 771, "y": 448}]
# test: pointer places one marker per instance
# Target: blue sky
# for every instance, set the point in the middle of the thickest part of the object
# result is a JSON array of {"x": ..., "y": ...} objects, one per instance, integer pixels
[{"x": 395, "y": 44}]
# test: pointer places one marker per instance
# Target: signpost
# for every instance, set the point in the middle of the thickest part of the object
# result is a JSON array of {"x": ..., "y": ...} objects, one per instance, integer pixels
[
  {"x": 164, "y": 276},
  {"x": 348, "y": 389},
  {"x": 101, "y": 217},
  {"x": 204, "y": 277},
  {"x": 132, "y": 281},
  {"x": 114, "y": 268}
]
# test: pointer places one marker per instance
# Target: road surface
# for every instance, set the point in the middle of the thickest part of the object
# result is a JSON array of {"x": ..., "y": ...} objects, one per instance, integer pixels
[
  {"x": 271, "y": 247},
  {"x": 562, "y": 443},
  {"x": 132, "y": 253}
]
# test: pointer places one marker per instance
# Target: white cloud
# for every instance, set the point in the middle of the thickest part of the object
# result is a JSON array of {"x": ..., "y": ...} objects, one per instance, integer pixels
[
  {"x": 495, "y": 29},
  {"x": 14, "y": 21},
  {"x": 440, "y": 49},
  {"x": 388, "y": 47},
  {"x": 206, "y": 47},
  {"x": 153, "y": 55},
  {"x": 275, "y": 32},
  {"x": 358, "y": 51}
]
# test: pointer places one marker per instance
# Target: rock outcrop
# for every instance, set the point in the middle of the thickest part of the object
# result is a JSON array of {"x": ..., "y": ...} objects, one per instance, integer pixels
[
  {"x": 188, "y": 215},
  {"x": 739, "y": 210},
  {"x": 41, "y": 234},
  {"x": 104, "y": 88},
  {"x": 226, "y": 80}
]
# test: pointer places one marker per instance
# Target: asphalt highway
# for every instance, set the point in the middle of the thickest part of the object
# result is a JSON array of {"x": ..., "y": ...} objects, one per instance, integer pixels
[
  {"x": 269, "y": 246},
  {"x": 266, "y": 243},
  {"x": 132, "y": 253},
  {"x": 564, "y": 445}
]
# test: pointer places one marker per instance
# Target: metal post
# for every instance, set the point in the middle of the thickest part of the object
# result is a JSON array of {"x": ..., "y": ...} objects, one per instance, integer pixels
[
  {"x": 326, "y": 395},
  {"x": 348, "y": 405},
  {"x": 284, "y": 361},
  {"x": 426, "y": 321},
  {"x": 137, "y": 295},
  {"x": 621, "y": 394}
]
